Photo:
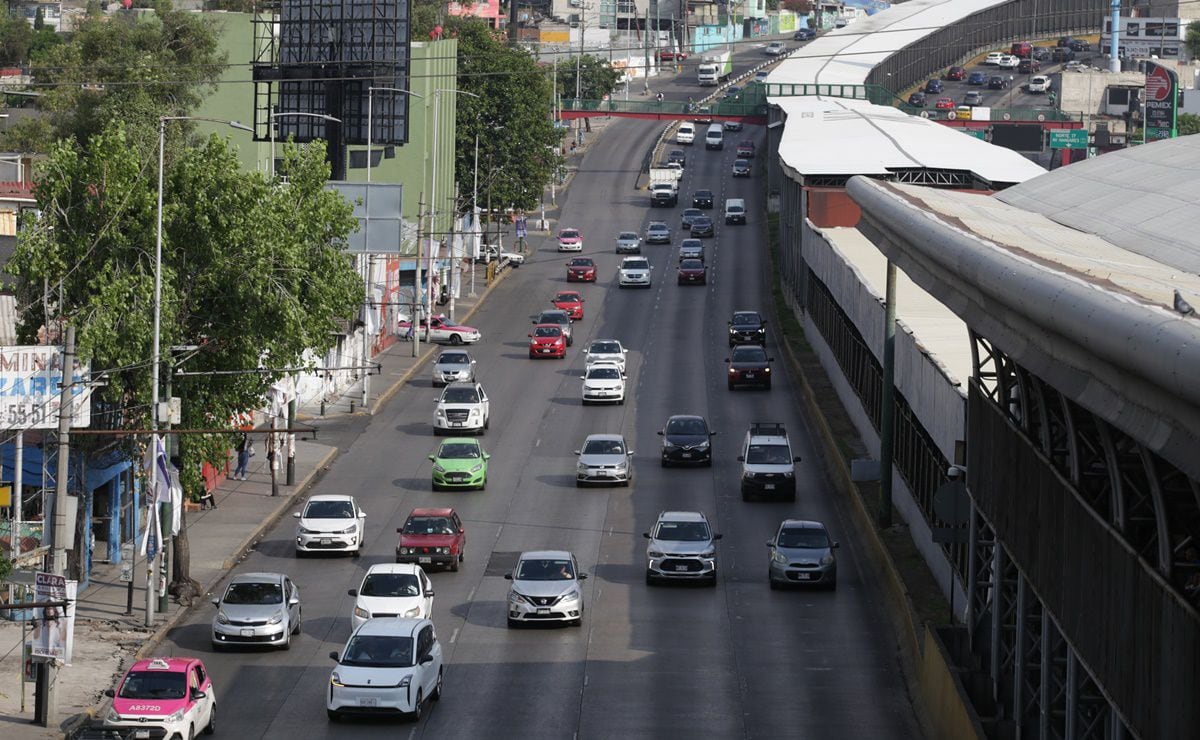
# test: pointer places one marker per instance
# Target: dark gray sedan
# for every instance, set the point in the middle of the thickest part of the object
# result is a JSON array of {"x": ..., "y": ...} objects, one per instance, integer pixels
[{"x": 702, "y": 226}]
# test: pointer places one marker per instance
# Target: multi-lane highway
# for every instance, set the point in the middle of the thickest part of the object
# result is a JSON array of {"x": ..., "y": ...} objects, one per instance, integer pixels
[{"x": 738, "y": 660}]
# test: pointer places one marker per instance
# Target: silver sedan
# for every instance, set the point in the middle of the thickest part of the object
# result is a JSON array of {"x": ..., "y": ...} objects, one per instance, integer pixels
[
  {"x": 257, "y": 609},
  {"x": 628, "y": 242},
  {"x": 604, "y": 458},
  {"x": 454, "y": 366}
]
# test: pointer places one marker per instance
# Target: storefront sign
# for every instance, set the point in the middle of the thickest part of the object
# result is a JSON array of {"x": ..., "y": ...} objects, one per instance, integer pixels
[{"x": 30, "y": 380}]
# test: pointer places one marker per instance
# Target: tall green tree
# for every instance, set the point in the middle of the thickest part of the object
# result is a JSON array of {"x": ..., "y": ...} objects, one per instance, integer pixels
[
  {"x": 16, "y": 37},
  {"x": 252, "y": 272},
  {"x": 597, "y": 78},
  {"x": 1192, "y": 39}
]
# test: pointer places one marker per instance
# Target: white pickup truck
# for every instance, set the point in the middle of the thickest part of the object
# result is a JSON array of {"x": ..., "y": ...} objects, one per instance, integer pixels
[{"x": 664, "y": 186}]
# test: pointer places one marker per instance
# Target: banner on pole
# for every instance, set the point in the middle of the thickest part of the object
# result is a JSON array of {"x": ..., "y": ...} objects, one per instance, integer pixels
[{"x": 53, "y": 628}]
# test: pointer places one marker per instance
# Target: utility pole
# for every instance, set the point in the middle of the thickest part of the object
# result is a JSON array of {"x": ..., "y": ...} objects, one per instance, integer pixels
[
  {"x": 168, "y": 515},
  {"x": 453, "y": 277},
  {"x": 646, "y": 46},
  {"x": 415, "y": 320}
]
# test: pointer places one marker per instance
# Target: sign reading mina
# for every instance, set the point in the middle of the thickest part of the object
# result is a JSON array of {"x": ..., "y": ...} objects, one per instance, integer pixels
[{"x": 30, "y": 383}]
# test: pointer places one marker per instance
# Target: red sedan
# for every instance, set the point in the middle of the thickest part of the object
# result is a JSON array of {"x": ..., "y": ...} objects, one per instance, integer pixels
[
  {"x": 670, "y": 55},
  {"x": 956, "y": 73},
  {"x": 547, "y": 340},
  {"x": 581, "y": 269},
  {"x": 945, "y": 104},
  {"x": 571, "y": 302},
  {"x": 692, "y": 272}
]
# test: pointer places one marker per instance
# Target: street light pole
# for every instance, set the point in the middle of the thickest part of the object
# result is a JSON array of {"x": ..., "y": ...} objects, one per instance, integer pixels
[
  {"x": 475, "y": 215},
  {"x": 434, "y": 200}
]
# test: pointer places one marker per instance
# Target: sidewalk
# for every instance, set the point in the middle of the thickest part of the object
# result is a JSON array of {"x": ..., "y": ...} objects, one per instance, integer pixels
[{"x": 107, "y": 638}]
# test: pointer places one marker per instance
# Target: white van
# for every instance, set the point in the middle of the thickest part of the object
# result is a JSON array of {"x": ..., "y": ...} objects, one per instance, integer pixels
[
  {"x": 735, "y": 211},
  {"x": 686, "y": 133},
  {"x": 715, "y": 138}
]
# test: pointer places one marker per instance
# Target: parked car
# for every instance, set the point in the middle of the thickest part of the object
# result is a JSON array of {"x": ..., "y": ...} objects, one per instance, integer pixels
[
  {"x": 945, "y": 104},
  {"x": 997, "y": 82},
  {"x": 392, "y": 590},
  {"x": 257, "y": 609},
  {"x": 441, "y": 329},
  {"x": 801, "y": 554},
  {"x": 604, "y": 458},
  {"x": 687, "y": 440},
  {"x": 682, "y": 546},
  {"x": 977, "y": 78},
  {"x": 570, "y": 301},
  {"x": 331, "y": 522},
  {"x": 956, "y": 73},
  {"x": 1079, "y": 45},
  {"x": 670, "y": 55},
  {"x": 1029, "y": 66},
  {"x": 1062, "y": 54},
  {"x": 547, "y": 340},
  {"x": 432, "y": 536},
  {"x": 545, "y": 588},
  {"x": 388, "y": 666},
  {"x": 1021, "y": 49},
  {"x": 933, "y": 87},
  {"x": 918, "y": 99},
  {"x": 692, "y": 272},
  {"x": 581, "y": 269},
  {"x": 169, "y": 697},
  {"x": 453, "y": 365}
]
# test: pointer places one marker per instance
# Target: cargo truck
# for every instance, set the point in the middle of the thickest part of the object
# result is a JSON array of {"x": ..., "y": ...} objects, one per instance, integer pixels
[
  {"x": 664, "y": 186},
  {"x": 714, "y": 68}
]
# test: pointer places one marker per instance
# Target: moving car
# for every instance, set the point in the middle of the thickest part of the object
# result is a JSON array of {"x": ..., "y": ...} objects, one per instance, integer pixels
[
  {"x": 945, "y": 104},
  {"x": 571, "y": 302},
  {"x": 570, "y": 240},
  {"x": 547, "y": 340},
  {"x": 768, "y": 465},
  {"x": 441, "y": 329},
  {"x": 977, "y": 78},
  {"x": 801, "y": 553},
  {"x": 918, "y": 99},
  {"x": 692, "y": 272},
  {"x": 163, "y": 697},
  {"x": 1079, "y": 45},
  {"x": 432, "y": 536},
  {"x": 689, "y": 215},
  {"x": 606, "y": 350},
  {"x": 682, "y": 547},
  {"x": 774, "y": 49},
  {"x": 460, "y": 462},
  {"x": 257, "y": 609},
  {"x": 735, "y": 211},
  {"x": 1039, "y": 84},
  {"x": 745, "y": 149},
  {"x": 670, "y": 55},
  {"x": 628, "y": 242},
  {"x": 604, "y": 458},
  {"x": 747, "y": 327},
  {"x": 560, "y": 317},
  {"x": 687, "y": 440},
  {"x": 702, "y": 199},
  {"x": 804, "y": 34},
  {"x": 741, "y": 168},
  {"x": 330, "y": 523},
  {"x": 1029, "y": 66},
  {"x": 993, "y": 58},
  {"x": 634, "y": 273},
  {"x": 1021, "y": 49},
  {"x": 933, "y": 87},
  {"x": 677, "y": 156},
  {"x": 973, "y": 98},
  {"x": 749, "y": 365},
  {"x": 996, "y": 82},
  {"x": 392, "y": 590},
  {"x": 733, "y": 125},
  {"x": 658, "y": 233},
  {"x": 702, "y": 226},
  {"x": 1062, "y": 54},
  {"x": 603, "y": 382},
  {"x": 691, "y": 249},
  {"x": 389, "y": 666},
  {"x": 581, "y": 269},
  {"x": 1008, "y": 61},
  {"x": 462, "y": 407},
  {"x": 686, "y": 133},
  {"x": 453, "y": 365},
  {"x": 545, "y": 588},
  {"x": 956, "y": 73}
]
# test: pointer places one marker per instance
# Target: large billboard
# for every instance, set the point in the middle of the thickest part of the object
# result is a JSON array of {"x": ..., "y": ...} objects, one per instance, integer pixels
[
  {"x": 1162, "y": 102},
  {"x": 30, "y": 382}
]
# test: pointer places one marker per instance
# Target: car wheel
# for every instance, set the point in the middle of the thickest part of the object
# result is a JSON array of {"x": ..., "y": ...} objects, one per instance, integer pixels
[
  {"x": 512, "y": 623},
  {"x": 664, "y": 462},
  {"x": 578, "y": 483},
  {"x": 436, "y": 487},
  {"x": 731, "y": 386},
  {"x": 454, "y": 563},
  {"x": 417, "y": 707},
  {"x": 773, "y": 582},
  {"x": 455, "y": 339},
  {"x": 650, "y": 578},
  {"x": 191, "y": 733},
  {"x": 436, "y": 694},
  {"x": 211, "y": 727},
  {"x": 570, "y": 341},
  {"x": 576, "y": 622},
  {"x": 299, "y": 620},
  {"x": 483, "y": 485},
  {"x": 745, "y": 495},
  {"x": 334, "y": 715},
  {"x": 287, "y": 641},
  {"x": 487, "y": 422},
  {"x": 625, "y": 484},
  {"x": 712, "y": 582},
  {"x": 218, "y": 647}
]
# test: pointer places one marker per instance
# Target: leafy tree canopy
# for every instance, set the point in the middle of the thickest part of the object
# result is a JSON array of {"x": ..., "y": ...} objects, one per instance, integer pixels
[
  {"x": 597, "y": 78},
  {"x": 16, "y": 38},
  {"x": 1188, "y": 124},
  {"x": 1192, "y": 39}
]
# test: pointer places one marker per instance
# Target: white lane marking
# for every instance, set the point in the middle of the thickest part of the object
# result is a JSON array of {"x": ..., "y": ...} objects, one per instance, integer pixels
[
  {"x": 537, "y": 443},
  {"x": 454, "y": 635},
  {"x": 471, "y": 595},
  {"x": 412, "y": 733}
]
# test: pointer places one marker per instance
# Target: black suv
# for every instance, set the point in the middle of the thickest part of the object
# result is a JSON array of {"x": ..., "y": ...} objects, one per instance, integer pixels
[
  {"x": 747, "y": 327},
  {"x": 702, "y": 199}
]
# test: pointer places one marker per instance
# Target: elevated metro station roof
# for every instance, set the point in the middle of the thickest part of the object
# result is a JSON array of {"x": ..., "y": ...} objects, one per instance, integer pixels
[
  {"x": 1093, "y": 318},
  {"x": 845, "y": 56},
  {"x": 843, "y": 136}
]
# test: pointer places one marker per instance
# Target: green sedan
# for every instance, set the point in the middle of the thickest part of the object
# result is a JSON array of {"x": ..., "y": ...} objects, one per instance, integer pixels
[{"x": 460, "y": 463}]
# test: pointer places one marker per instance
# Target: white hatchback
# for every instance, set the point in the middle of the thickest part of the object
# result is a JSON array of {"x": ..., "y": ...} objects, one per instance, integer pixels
[
  {"x": 389, "y": 666},
  {"x": 606, "y": 350},
  {"x": 330, "y": 523},
  {"x": 392, "y": 590},
  {"x": 603, "y": 383}
]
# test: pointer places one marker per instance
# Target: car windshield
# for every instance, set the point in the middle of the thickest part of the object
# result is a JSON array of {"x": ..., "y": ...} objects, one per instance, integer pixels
[
  {"x": 379, "y": 651},
  {"x": 686, "y": 426},
  {"x": 547, "y": 331},
  {"x": 702, "y": 221},
  {"x": 460, "y": 395},
  {"x": 735, "y": 209},
  {"x": 569, "y": 234},
  {"x": 545, "y": 570},
  {"x": 749, "y": 354},
  {"x": 390, "y": 584},
  {"x": 578, "y": 262},
  {"x": 454, "y": 358},
  {"x": 682, "y": 531},
  {"x": 604, "y": 447},
  {"x": 253, "y": 593},
  {"x": 604, "y": 373},
  {"x": 691, "y": 265},
  {"x": 459, "y": 451},
  {"x": 704, "y": 194},
  {"x": 153, "y": 685},
  {"x": 768, "y": 455},
  {"x": 657, "y": 227},
  {"x": 628, "y": 236},
  {"x": 566, "y": 298},
  {"x": 428, "y": 525},
  {"x": 691, "y": 212},
  {"x": 691, "y": 244},
  {"x": 605, "y": 348},
  {"x": 745, "y": 319},
  {"x": 813, "y": 539},
  {"x": 636, "y": 265},
  {"x": 740, "y": 163},
  {"x": 329, "y": 510},
  {"x": 554, "y": 317}
]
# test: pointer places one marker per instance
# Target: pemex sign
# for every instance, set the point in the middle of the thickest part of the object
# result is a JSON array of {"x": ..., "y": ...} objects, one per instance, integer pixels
[{"x": 1162, "y": 97}]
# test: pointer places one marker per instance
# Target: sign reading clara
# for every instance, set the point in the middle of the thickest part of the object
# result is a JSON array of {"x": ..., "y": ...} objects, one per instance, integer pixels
[{"x": 30, "y": 380}]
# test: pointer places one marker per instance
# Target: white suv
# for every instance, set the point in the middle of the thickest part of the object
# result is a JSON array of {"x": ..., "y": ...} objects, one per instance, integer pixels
[
  {"x": 635, "y": 272},
  {"x": 768, "y": 466},
  {"x": 389, "y": 666},
  {"x": 462, "y": 407},
  {"x": 682, "y": 547}
]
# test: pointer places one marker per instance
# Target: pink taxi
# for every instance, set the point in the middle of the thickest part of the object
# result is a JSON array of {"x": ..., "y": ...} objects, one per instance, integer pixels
[{"x": 171, "y": 694}]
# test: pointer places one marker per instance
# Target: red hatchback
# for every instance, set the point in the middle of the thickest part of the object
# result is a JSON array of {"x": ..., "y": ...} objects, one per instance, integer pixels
[
  {"x": 956, "y": 73},
  {"x": 945, "y": 104},
  {"x": 571, "y": 302},
  {"x": 547, "y": 340},
  {"x": 432, "y": 537},
  {"x": 581, "y": 269},
  {"x": 692, "y": 272}
]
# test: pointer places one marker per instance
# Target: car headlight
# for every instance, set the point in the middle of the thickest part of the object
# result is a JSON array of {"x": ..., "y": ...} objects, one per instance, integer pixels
[
  {"x": 414, "y": 612},
  {"x": 517, "y": 598},
  {"x": 654, "y": 554},
  {"x": 404, "y": 682},
  {"x": 702, "y": 446},
  {"x": 477, "y": 468},
  {"x": 177, "y": 716},
  {"x": 361, "y": 613},
  {"x": 276, "y": 619},
  {"x": 444, "y": 550},
  {"x": 581, "y": 467},
  {"x": 440, "y": 414},
  {"x": 221, "y": 618},
  {"x": 335, "y": 679},
  {"x": 780, "y": 558},
  {"x": 789, "y": 474},
  {"x": 766, "y": 369},
  {"x": 572, "y": 595},
  {"x": 438, "y": 468},
  {"x": 112, "y": 716},
  {"x": 474, "y": 413},
  {"x": 348, "y": 530},
  {"x": 827, "y": 560},
  {"x": 709, "y": 553}
]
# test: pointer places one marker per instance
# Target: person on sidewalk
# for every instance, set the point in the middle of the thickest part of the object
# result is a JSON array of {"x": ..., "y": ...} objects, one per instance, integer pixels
[{"x": 243, "y": 457}]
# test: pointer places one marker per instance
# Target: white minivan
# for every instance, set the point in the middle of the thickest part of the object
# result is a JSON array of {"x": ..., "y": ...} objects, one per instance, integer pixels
[
  {"x": 715, "y": 138},
  {"x": 735, "y": 211},
  {"x": 686, "y": 133}
]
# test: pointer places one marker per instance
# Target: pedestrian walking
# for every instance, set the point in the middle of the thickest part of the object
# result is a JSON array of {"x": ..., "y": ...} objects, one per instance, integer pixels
[{"x": 243, "y": 457}]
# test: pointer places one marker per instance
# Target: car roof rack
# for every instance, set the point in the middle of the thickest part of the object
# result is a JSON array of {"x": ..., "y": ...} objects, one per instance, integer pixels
[{"x": 767, "y": 429}]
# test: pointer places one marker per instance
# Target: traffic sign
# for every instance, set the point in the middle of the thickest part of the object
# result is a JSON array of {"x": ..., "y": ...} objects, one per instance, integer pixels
[{"x": 1069, "y": 138}]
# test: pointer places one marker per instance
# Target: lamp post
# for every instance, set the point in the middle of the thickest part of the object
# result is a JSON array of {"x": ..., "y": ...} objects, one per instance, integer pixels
[
  {"x": 293, "y": 114},
  {"x": 155, "y": 359},
  {"x": 366, "y": 342},
  {"x": 437, "y": 107}
]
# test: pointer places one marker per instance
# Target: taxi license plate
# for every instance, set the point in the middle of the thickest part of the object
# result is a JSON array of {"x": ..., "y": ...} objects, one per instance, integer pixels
[
  {"x": 768, "y": 486},
  {"x": 247, "y": 633},
  {"x": 425, "y": 560},
  {"x": 543, "y": 610},
  {"x": 326, "y": 541},
  {"x": 365, "y": 701},
  {"x": 804, "y": 576},
  {"x": 681, "y": 568}
]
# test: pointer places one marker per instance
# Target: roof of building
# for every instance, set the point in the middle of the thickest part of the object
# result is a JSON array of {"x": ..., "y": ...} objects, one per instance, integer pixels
[
  {"x": 847, "y": 55},
  {"x": 1143, "y": 199},
  {"x": 842, "y": 136}
]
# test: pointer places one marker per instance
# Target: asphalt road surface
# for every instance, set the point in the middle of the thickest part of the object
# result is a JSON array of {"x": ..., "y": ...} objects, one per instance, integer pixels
[{"x": 735, "y": 661}]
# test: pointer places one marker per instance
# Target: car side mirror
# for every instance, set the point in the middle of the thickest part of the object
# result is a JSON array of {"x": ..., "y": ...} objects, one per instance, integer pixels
[
  {"x": 293, "y": 601},
  {"x": 534, "y": 321},
  {"x": 770, "y": 543},
  {"x": 660, "y": 433},
  {"x": 427, "y": 659},
  {"x": 487, "y": 456},
  {"x": 718, "y": 536},
  {"x": 333, "y": 654},
  {"x": 741, "y": 458},
  {"x": 197, "y": 694},
  {"x": 796, "y": 458},
  {"x": 646, "y": 535},
  {"x": 834, "y": 546},
  {"x": 295, "y": 515},
  {"x": 629, "y": 454},
  {"x": 508, "y": 576},
  {"x": 770, "y": 359},
  {"x": 432, "y": 458},
  {"x": 110, "y": 693},
  {"x": 429, "y": 592},
  {"x": 583, "y": 377},
  {"x": 399, "y": 530},
  {"x": 712, "y": 434},
  {"x": 576, "y": 452},
  {"x": 216, "y": 602},
  {"x": 726, "y": 360},
  {"x": 582, "y": 576},
  {"x": 352, "y": 592},
  {"x": 529, "y": 335}
]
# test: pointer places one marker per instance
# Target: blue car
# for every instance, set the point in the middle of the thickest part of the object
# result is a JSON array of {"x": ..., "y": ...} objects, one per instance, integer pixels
[
  {"x": 804, "y": 34},
  {"x": 933, "y": 87},
  {"x": 977, "y": 78}
]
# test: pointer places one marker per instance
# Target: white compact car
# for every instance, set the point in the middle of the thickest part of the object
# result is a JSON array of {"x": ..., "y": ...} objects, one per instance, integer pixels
[
  {"x": 461, "y": 408},
  {"x": 994, "y": 58},
  {"x": 603, "y": 383},
  {"x": 389, "y": 666},
  {"x": 635, "y": 272},
  {"x": 392, "y": 590},
  {"x": 606, "y": 350},
  {"x": 545, "y": 588},
  {"x": 330, "y": 523}
]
